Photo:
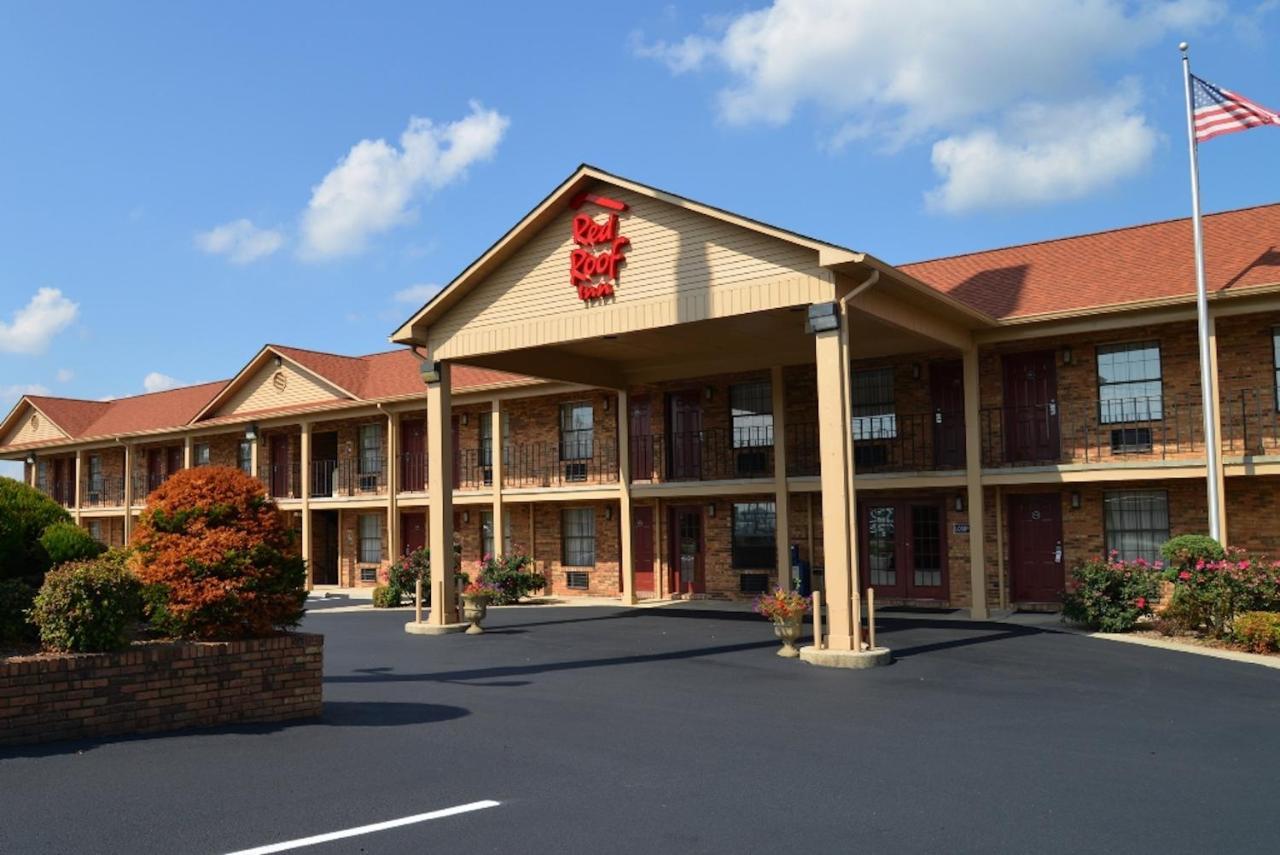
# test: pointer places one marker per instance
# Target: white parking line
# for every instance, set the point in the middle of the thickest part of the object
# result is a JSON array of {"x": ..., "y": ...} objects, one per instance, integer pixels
[{"x": 367, "y": 829}]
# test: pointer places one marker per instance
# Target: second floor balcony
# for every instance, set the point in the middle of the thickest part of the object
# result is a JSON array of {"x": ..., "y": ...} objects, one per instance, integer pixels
[
  {"x": 366, "y": 476},
  {"x": 103, "y": 491}
]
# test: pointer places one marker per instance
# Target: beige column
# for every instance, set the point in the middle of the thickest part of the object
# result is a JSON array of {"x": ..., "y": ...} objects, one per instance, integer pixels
[
  {"x": 628, "y": 568},
  {"x": 781, "y": 498},
  {"x": 973, "y": 483},
  {"x": 31, "y": 471},
  {"x": 393, "y": 487},
  {"x": 444, "y": 608},
  {"x": 79, "y": 492},
  {"x": 186, "y": 452},
  {"x": 1217, "y": 420},
  {"x": 305, "y": 465},
  {"x": 835, "y": 437},
  {"x": 128, "y": 492},
  {"x": 255, "y": 448},
  {"x": 495, "y": 461}
]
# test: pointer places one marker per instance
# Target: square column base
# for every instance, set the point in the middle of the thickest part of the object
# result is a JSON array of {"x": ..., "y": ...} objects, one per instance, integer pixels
[
  {"x": 854, "y": 659},
  {"x": 424, "y": 628}
]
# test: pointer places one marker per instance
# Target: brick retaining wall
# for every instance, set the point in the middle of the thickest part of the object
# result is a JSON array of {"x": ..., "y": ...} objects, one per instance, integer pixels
[{"x": 162, "y": 686}]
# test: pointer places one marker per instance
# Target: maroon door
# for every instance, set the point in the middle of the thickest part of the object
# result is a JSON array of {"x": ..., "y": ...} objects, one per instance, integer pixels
[
  {"x": 155, "y": 468},
  {"x": 640, "y": 424},
  {"x": 904, "y": 548},
  {"x": 642, "y": 546},
  {"x": 279, "y": 452},
  {"x": 946, "y": 390},
  {"x": 1031, "y": 407},
  {"x": 324, "y": 561},
  {"x": 1035, "y": 547},
  {"x": 413, "y": 532},
  {"x": 413, "y": 456},
  {"x": 684, "y": 443},
  {"x": 687, "y": 570},
  {"x": 61, "y": 482}
]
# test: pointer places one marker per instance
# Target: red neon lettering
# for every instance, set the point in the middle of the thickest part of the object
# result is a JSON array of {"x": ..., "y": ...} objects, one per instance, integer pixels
[{"x": 585, "y": 265}]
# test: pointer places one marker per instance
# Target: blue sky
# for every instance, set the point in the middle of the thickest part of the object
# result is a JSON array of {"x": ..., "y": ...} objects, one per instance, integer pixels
[{"x": 184, "y": 182}]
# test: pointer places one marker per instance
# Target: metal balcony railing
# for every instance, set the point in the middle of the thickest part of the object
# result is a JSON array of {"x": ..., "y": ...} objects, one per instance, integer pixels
[
  {"x": 283, "y": 481},
  {"x": 910, "y": 442},
  {"x": 575, "y": 460},
  {"x": 714, "y": 454},
  {"x": 103, "y": 491}
]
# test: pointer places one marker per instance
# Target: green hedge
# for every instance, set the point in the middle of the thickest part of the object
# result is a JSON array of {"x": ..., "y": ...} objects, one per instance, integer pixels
[
  {"x": 88, "y": 606},
  {"x": 24, "y": 515}
]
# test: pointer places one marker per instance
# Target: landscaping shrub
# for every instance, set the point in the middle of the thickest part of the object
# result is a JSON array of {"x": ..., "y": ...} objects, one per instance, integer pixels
[
  {"x": 384, "y": 597},
  {"x": 88, "y": 606},
  {"x": 1188, "y": 549},
  {"x": 1111, "y": 595},
  {"x": 25, "y": 513},
  {"x": 512, "y": 576},
  {"x": 1208, "y": 594},
  {"x": 403, "y": 575},
  {"x": 226, "y": 563},
  {"x": 15, "y": 600},
  {"x": 66, "y": 541},
  {"x": 1259, "y": 632}
]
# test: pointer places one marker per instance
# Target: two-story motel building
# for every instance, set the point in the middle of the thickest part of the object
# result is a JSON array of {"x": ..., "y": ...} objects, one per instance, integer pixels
[{"x": 656, "y": 398}]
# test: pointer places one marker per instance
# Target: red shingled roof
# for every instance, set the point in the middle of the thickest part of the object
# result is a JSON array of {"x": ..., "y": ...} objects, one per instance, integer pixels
[
  {"x": 373, "y": 377},
  {"x": 1134, "y": 264}
]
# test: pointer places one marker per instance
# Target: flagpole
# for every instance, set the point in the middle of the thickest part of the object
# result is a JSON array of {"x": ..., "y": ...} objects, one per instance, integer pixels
[{"x": 1208, "y": 384}]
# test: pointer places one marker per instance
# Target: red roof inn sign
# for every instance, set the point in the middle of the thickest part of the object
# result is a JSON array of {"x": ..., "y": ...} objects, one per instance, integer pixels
[{"x": 593, "y": 264}]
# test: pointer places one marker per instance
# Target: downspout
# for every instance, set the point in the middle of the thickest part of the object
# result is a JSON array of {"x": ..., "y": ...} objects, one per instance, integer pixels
[{"x": 846, "y": 394}]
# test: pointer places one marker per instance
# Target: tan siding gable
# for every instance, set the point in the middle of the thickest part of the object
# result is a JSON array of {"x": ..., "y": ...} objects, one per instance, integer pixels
[
  {"x": 262, "y": 391},
  {"x": 681, "y": 266},
  {"x": 32, "y": 427}
]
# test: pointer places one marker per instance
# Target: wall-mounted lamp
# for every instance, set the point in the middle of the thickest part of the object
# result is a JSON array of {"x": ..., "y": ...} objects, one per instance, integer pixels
[
  {"x": 959, "y": 501},
  {"x": 823, "y": 317},
  {"x": 31, "y": 460},
  {"x": 464, "y": 418},
  {"x": 915, "y": 371},
  {"x": 1075, "y": 500},
  {"x": 1066, "y": 356},
  {"x": 466, "y": 516},
  {"x": 708, "y": 392},
  {"x": 430, "y": 373},
  {"x": 606, "y": 405},
  {"x": 711, "y": 509},
  {"x": 251, "y": 433},
  {"x": 608, "y": 512}
]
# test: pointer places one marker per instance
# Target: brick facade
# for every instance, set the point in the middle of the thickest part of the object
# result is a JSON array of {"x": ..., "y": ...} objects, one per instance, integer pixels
[{"x": 162, "y": 686}]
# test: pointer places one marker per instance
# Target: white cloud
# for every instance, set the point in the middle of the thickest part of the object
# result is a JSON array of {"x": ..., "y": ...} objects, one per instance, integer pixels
[
  {"x": 157, "y": 382},
  {"x": 65, "y": 375},
  {"x": 372, "y": 189},
  {"x": 10, "y": 394},
  {"x": 417, "y": 294},
  {"x": 35, "y": 324},
  {"x": 1047, "y": 154},
  {"x": 917, "y": 70},
  {"x": 240, "y": 241}
]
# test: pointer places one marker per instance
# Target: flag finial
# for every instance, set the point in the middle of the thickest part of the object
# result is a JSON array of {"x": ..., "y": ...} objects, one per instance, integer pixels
[{"x": 1182, "y": 46}]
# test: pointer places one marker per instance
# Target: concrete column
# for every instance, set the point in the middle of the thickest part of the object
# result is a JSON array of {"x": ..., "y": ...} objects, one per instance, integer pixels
[
  {"x": 781, "y": 498},
  {"x": 255, "y": 449},
  {"x": 835, "y": 439},
  {"x": 973, "y": 484},
  {"x": 624, "y": 500},
  {"x": 128, "y": 492},
  {"x": 1217, "y": 420},
  {"x": 393, "y": 487},
  {"x": 495, "y": 461},
  {"x": 304, "y": 465},
  {"x": 31, "y": 471},
  {"x": 78, "y": 491},
  {"x": 186, "y": 452},
  {"x": 444, "y": 608}
]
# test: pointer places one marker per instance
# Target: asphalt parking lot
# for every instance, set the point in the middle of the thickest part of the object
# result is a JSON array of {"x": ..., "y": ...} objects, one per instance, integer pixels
[{"x": 678, "y": 729}]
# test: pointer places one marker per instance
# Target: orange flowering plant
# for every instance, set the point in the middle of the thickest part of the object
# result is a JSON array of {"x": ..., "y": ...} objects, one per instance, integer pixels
[
  {"x": 780, "y": 605},
  {"x": 217, "y": 558}
]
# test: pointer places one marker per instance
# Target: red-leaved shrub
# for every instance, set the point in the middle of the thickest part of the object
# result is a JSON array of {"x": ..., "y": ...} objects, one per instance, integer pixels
[{"x": 217, "y": 558}]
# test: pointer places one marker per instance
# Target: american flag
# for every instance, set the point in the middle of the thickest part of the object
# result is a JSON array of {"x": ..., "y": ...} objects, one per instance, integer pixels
[{"x": 1221, "y": 111}]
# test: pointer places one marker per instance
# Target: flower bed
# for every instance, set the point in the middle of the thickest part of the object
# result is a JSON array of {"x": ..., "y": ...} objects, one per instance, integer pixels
[{"x": 158, "y": 686}]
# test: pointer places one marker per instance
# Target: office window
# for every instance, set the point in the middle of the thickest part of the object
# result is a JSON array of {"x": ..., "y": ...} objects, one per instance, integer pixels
[
  {"x": 1129, "y": 383},
  {"x": 1136, "y": 522},
  {"x": 751, "y": 408},
  {"x": 200, "y": 454},
  {"x": 577, "y": 431},
  {"x": 246, "y": 456},
  {"x": 578, "y": 537},
  {"x": 370, "y": 449},
  {"x": 370, "y": 538},
  {"x": 754, "y": 535},
  {"x": 95, "y": 473},
  {"x": 486, "y": 533},
  {"x": 873, "y": 412},
  {"x": 42, "y": 476},
  {"x": 1275, "y": 362}
]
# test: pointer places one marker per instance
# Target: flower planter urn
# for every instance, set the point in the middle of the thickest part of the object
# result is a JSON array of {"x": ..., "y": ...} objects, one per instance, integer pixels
[
  {"x": 473, "y": 611},
  {"x": 788, "y": 631}
]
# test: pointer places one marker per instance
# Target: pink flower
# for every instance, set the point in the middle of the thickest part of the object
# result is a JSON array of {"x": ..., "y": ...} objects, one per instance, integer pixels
[
  {"x": 1141, "y": 602},
  {"x": 1184, "y": 575}
]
